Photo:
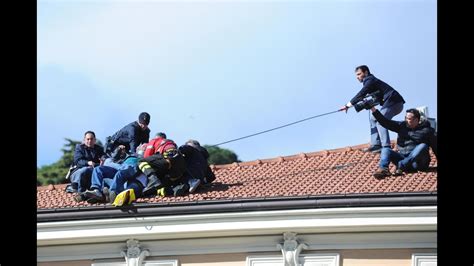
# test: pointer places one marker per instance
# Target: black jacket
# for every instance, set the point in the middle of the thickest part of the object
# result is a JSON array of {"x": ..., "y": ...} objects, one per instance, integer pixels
[
  {"x": 83, "y": 154},
  {"x": 408, "y": 138},
  {"x": 131, "y": 136},
  {"x": 196, "y": 162},
  {"x": 371, "y": 84}
]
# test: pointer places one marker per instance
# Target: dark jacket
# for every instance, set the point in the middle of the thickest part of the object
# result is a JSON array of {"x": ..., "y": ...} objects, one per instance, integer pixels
[
  {"x": 409, "y": 138},
  {"x": 83, "y": 154},
  {"x": 131, "y": 136},
  {"x": 371, "y": 84},
  {"x": 196, "y": 163}
]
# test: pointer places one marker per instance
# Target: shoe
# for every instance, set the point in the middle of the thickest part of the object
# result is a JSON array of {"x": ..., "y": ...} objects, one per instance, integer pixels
[
  {"x": 125, "y": 197},
  {"x": 193, "y": 184},
  {"x": 381, "y": 173},
  {"x": 161, "y": 192},
  {"x": 70, "y": 189},
  {"x": 106, "y": 192},
  {"x": 153, "y": 185},
  {"x": 79, "y": 197},
  {"x": 94, "y": 194},
  {"x": 398, "y": 172},
  {"x": 373, "y": 149},
  {"x": 112, "y": 196}
]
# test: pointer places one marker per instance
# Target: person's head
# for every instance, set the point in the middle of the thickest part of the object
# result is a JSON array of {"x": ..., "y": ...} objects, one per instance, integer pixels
[
  {"x": 362, "y": 72},
  {"x": 193, "y": 143},
  {"x": 89, "y": 138},
  {"x": 161, "y": 135},
  {"x": 144, "y": 120},
  {"x": 412, "y": 118}
]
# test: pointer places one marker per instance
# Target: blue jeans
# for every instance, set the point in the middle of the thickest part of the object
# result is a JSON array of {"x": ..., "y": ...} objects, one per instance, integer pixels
[
  {"x": 109, "y": 162},
  {"x": 82, "y": 177},
  {"x": 417, "y": 159},
  {"x": 100, "y": 175},
  {"x": 126, "y": 174},
  {"x": 378, "y": 134}
]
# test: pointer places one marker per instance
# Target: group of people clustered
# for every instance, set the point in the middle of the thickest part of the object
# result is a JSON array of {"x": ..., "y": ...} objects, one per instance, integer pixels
[{"x": 130, "y": 166}]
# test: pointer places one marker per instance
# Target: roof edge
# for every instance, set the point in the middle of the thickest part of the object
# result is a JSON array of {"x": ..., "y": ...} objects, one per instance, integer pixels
[
  {"x": 240, "y": 205},
  {"x": 291, "y": 157}
]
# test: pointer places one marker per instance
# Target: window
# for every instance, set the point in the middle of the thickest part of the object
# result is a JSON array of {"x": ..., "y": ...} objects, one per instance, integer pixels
[
  {"x": 420, "y": 259},
  {"x": 305, "y": 260}
]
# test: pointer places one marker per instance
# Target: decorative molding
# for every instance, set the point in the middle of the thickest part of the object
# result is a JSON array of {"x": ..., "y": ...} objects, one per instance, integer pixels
[
  {"x": 291, "y": 249},
  {"x": 244, "y": 244},
  {"x": 134, "y": 255},
  {"x": 381, "y": 219}
]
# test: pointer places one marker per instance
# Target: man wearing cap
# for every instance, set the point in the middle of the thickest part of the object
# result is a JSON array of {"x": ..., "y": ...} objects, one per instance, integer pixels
[{"x": 131, "y": 135}]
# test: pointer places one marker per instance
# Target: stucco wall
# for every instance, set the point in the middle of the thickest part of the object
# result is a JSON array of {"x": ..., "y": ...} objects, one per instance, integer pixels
[{"x": 359, "y": 257}]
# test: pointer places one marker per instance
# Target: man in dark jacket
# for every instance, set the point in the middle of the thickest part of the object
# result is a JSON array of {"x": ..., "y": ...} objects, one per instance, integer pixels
[
  {"x": 413, "y": 142},
  {"x": 86, "y": 156},
  {"x": 392, "y": 104},
  {"x": 197, "y": 168},
  {"x": 131, "y": 136}
]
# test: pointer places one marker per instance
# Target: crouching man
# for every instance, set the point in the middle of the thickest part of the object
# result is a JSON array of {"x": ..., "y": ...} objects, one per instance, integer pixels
[{"x": 413, "y": 143}]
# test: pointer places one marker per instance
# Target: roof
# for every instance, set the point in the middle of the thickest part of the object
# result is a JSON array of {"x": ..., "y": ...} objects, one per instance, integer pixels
[{"x": 344, "y": 171}]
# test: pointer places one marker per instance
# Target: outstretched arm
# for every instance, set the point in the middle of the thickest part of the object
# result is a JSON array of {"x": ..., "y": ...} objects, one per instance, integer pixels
[{"x": 386, "y": 123}]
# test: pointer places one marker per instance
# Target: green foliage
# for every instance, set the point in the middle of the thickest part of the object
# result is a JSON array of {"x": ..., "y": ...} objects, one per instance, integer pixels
[
  {"x": 55, "y": 173},
  {"x": 220, "y": 156}
]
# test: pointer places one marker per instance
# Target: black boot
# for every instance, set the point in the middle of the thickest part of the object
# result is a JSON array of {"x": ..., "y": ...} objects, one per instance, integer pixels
[{"x": 153, "y": 184}]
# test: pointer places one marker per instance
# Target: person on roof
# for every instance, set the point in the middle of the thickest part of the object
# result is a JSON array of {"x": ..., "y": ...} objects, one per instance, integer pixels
[
  {"x": 159, "y": 144},
  {"x": 87, "y": 155},
  {"x": 392, "y": 105},
  {"x": 164, "y": 168},
  {"x": 197, "y": 169},
  {"x": 413, "y": 142},
  {"x": 130, "y": 136}
]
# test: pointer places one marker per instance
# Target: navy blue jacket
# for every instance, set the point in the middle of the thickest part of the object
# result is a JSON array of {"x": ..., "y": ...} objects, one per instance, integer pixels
[
  {"x": 372, "y": 84},
  {"x": 131, "y": 136},
  {"x": 408, "y": 138},
  {"x": 83, "y": 154},
  {"x": 196, "y": 162}
]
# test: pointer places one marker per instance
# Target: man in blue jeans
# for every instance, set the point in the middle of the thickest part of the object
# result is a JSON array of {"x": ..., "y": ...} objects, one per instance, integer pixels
[
  {"x": 413, "y": 143},
  {"x": 391, "y": 105}
]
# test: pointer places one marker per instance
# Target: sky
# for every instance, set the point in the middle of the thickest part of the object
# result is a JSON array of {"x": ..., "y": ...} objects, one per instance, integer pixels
[{"x": 220, "y": 70}]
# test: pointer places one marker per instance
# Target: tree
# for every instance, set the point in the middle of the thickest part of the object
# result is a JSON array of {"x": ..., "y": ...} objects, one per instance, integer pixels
[
  {"x": 55, "y": 173},
  {"x": 220, "y": 156}
]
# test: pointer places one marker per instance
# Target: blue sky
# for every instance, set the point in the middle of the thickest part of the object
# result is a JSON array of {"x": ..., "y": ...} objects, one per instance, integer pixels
[{"x": 219, "y": 70}]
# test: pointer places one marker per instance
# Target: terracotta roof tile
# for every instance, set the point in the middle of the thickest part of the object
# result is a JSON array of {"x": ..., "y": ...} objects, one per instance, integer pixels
[{"x": 346, "y": 170}]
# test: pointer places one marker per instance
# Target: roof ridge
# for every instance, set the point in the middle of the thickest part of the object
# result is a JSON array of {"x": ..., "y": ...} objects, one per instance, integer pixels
[{"x": 301, "y": 155}]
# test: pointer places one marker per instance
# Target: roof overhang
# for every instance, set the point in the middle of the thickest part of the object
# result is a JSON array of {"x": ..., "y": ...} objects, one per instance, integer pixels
[{"x": 140, "y": 210}]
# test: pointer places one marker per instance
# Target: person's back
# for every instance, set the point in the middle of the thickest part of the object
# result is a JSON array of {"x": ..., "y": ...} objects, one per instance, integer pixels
[
  {"x": 158, "y": 145},
  {"x": 195, "y": 162},
  {"x": 197, "y": 168}
]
